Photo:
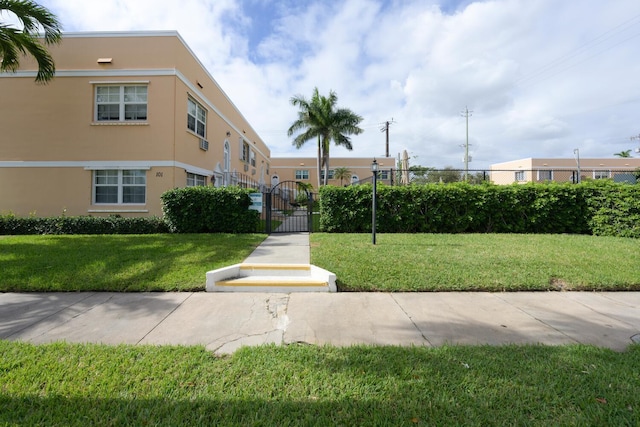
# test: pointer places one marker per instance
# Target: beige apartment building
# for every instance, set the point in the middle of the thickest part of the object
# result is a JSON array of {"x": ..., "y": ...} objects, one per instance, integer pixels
[
  {"x": 128, "y": 116},
  {"x": 564, "y": 170},
  {"x": 305, "y": 169}
]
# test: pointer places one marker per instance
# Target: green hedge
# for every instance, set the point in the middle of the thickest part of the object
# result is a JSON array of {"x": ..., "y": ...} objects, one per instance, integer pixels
[
  {"x": 11, "y": 224},
  {"x": 596, "y": 207},
  {"x": 206, "y": 209}
]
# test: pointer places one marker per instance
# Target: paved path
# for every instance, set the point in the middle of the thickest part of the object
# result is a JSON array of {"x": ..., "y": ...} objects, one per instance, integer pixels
[{"x": 225, "y": 321}]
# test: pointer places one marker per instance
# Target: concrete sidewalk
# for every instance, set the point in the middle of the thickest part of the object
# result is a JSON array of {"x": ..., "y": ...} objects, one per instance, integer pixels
[{"x": 225, "y": 321}]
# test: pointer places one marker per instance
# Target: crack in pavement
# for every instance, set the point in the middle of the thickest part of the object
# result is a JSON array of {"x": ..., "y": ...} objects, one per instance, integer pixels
[
  {"x": 411, "y": 319},
  {"x": 276, "y": 307}
]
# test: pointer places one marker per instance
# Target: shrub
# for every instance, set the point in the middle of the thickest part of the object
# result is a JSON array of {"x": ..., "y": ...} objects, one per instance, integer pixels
[
  {"x": 206, "y": 209},
  {"x": 11, "y": 224},
  {"x": 595, "y": 207}
]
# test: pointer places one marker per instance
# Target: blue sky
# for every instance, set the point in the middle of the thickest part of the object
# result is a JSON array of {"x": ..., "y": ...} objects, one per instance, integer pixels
[{"x": 542, "y": 77}]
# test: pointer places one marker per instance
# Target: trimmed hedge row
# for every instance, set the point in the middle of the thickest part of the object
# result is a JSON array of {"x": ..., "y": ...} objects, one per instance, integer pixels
[
  {"x": 186, "y": 210},
  {"x": 596, "y": 207},
  {"x": 10, "y": 224},
  {"x": 205, "y": 209}
]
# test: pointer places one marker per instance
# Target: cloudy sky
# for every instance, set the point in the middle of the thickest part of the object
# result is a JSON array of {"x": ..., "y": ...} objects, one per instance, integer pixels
[{"x": 540, "y": 77}]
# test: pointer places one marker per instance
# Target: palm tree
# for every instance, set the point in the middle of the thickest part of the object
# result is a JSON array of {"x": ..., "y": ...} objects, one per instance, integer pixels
[
  {"x": 15, "y": 42},
  {"x": 319, "y": 118},
  {"x": 341, "y": 174},
  {"x": 625, "y": 154}
]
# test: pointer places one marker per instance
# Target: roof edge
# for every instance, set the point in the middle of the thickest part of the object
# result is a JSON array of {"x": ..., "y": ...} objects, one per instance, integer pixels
[{"x": 145, "y": 33}]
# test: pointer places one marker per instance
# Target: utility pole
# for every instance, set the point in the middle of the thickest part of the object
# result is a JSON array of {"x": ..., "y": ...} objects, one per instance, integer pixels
[
  {"x": 466, "y": 113},
  {"x": 385, "y": 128}
]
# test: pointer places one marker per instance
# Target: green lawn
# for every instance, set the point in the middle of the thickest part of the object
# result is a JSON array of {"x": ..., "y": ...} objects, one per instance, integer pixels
[
  {"x": 480, "y": 262},
  {"x": 80, "y": 385},
  {"x": 162, "y": 262},
  {"x": 399, "y": 262}
]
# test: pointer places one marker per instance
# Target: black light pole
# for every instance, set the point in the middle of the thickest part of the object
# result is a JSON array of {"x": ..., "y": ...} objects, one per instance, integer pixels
[{"x": 374, "y": 169}]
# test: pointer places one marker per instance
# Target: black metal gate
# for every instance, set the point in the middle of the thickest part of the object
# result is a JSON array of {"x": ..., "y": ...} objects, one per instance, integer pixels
[{"x": 288, "y": 208}]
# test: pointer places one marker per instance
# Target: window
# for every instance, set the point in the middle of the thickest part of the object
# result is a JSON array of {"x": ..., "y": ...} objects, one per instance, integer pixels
[
  {"x": 196, "y": 117},
  {"x": 244, "y": 151},
  {"x": 383, "y": 175},
  {"x": 331, "y": 173},
  {"x": 520, "y": 176},
  {"x": 121, "y": 103},
  {"x": 194, "y": 180},
  {"x": 601, "y": 174},
  {"x": 227, "y": 157},
  {"x": 119, "y": 186},
  {"x": 545, "y": 175},
  {"x": 252, "y": 157},
  {"x": 302, "y": 174}
]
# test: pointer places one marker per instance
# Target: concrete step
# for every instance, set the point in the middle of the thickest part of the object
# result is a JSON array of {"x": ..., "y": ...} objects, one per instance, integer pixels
[{"x": 282, "y": 278}]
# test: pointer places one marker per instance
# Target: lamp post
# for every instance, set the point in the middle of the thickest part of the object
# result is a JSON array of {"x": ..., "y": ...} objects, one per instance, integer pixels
[{"x": 374, "y": 169}]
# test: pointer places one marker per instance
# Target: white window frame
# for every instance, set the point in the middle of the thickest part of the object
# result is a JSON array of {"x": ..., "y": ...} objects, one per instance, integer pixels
[
  {"x": 195, "y": 180},
  {"x": 196, "y": 118},
  {"x": 601, "y": 174},
  {"x": 331, "y": 173},
  {"x": 384, "y": 175},
  {"x": 244, "y": 151},
  {"x": 302, "y": 174},
  {"x": 123, "y": 101},
  {"x": 548, "y": 172},
  {"x": 117, "y": 179},
  {"x": 252, "y": 158},
  {"x": 520, "y": 176}
]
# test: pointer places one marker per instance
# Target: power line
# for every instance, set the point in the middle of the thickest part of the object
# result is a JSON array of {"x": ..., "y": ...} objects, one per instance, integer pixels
[{"x": 564, "y": 61}]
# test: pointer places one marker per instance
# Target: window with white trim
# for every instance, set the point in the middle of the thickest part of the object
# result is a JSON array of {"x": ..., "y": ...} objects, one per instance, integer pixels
[
  {"x": 196, "y": 118},
  {"x": 520, "y": 176},
  {"x": 244, "y": 151},
  {"x": 121, "y": 103},
  {"x": 545, "y": 175},
  {"x": 119, "y": 186},
  {"x": 384, "y": 175},
  {"x": 302, "y": 174},
  {"x": 252, "y": 158},
  {"x": 331, "y": 173},
  {"x": 194, "y": 180},
  {"x": 601, "y": 174}
]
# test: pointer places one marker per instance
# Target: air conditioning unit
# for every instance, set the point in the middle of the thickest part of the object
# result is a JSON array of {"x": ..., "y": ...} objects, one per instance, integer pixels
[{"x": 204, "y": 144}]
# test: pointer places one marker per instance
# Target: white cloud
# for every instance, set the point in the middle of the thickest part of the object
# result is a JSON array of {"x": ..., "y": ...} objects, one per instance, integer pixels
[{"x": 542, "y": 77}]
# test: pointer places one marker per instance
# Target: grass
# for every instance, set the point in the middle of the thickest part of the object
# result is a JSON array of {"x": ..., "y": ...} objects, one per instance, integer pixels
[
  {"x": 163, "y": 262},
  {"x": 71, "y": 384},
  {"x": 478, "y": 262}
]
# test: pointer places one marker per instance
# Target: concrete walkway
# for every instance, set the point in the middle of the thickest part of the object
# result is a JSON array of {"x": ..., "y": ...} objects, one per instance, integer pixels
[{"x": 225, "y": 321}]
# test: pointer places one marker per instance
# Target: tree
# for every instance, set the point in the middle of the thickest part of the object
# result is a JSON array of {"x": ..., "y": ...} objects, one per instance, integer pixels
[
  {"x": 319, "y": 119},
  {"x": 625, "y": 154},
  {"x": 15, "y": 42},
  {"x": 342, "y": 173}
]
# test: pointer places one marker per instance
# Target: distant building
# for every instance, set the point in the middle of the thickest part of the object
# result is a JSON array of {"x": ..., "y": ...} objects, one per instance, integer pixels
[
  {"x": 305, "y": 169},
  {"x": 564, "y": 170}
]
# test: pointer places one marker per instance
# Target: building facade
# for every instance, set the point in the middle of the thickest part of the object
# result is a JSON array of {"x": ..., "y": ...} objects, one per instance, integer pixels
[
  {"x": 305, "y": 169},
  {"x": 564, "y": 170},
  {"x": 127, "y": 117}
]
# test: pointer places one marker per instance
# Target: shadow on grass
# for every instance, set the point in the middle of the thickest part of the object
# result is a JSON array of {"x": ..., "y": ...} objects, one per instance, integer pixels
[
  {"x": 170, "y": 262},
  {"x": 530, "y": 385}
]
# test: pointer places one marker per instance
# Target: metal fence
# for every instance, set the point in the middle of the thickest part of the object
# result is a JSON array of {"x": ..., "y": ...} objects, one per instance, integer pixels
[{"x": 500, "y": 176}]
